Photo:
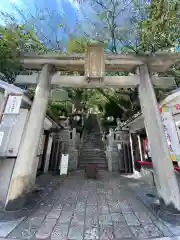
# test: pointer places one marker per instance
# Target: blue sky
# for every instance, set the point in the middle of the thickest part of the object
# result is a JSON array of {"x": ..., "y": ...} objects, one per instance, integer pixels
[{"x": 65, "y": 12}]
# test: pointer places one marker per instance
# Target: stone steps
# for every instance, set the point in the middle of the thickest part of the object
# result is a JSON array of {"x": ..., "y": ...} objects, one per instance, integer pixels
[
  {"x": 92, "y": 150},
  {"x": 93, "y": 156},
  {"x": 94, "y": 161},
  {"x": 83, "y": 156},
  {"x": 99, "y": 165}
]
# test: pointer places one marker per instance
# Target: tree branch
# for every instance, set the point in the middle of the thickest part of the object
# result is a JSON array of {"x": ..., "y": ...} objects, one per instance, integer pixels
[{"x": 112, "y": 100}]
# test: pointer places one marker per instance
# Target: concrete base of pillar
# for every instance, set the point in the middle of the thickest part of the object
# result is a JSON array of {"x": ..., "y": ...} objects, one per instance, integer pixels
[
  {"x": 16, "y": 204},
  {"x": 167, "y": 213},
  {"x": 23, "y": 201},
  {"x": 159, "y": 209},
  {"x": 169, "y": 209}
]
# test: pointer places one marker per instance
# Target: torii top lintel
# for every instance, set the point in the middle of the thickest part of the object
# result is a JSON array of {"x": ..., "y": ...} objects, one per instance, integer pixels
[{"x": 112, "y": 62}]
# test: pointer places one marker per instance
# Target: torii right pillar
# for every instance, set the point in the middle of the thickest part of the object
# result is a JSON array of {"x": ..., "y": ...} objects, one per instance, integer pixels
[{"x": 165, "y": 178}]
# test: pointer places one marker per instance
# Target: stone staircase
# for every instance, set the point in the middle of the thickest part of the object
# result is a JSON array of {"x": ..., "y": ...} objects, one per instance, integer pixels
[{"x": 92, "y": 149}]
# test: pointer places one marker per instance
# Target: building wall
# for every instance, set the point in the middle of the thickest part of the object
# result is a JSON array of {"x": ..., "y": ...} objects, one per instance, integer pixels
[
  {"x": 7, "y": 162},
  {"x": 6, "y": 168}
]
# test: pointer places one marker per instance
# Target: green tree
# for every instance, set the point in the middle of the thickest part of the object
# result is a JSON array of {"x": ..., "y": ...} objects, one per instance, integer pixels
[
  {"x": 15, "y": 40},
  {"x": 136, "y": 27},
  {"x": 98, "y": 97}
]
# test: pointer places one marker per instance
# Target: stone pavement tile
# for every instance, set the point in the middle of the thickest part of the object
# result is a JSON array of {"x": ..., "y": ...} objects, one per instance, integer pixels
[
  {"x": 91, "y": 233},
  {"x": 83, "y": 194},
  {"x": 152, "y": 231},
  {"x": 143, "y": 217},
  {"x": 27, "y": 228},
  {"x": 58, "y": 205},
  {"x": 108, "y": 192},
  {"x": 76, "y": 232},
  {"x": 101, "y": 196},
  {"x": 122, "y": 232},
  {"x": 72, "y": 199},
  {"x": 137, "y": 206},
  {"x": 91, "y": 210},
  {"x": 131, "y": 219},
  {"x": 167, "y": 238},
  {"x": 78, "y": 218},
  {"x": 152, "y": 215},
  {"x": 92, "y": 201},
  {"x": 7, "y": 227},
  {"x": 82, "y": 198},
  {"x": 80, "y": 207},
  {"x": 142, "y": 206},
  {"x": 100, "y": 186},
  {"x": 63, "y": 196},
  {"x": 114, "y": 206},
  {"x": 105, "y": 219},
  {"x": 60, "y": 232},
  {"x": 139, "y": 232},
  {"x": 90, "y": 221},
  {"x": 65, "y": 217},
  {"x": 106, "y": 233},
  {"x": 117, "y": 217},
  {"x": 42, "y": 211},
  {"x": 103, "y": 209},
  {"x": 163, "y": 228},
  {"x": 101, "y": 202},
  {"x": 54, "y": 213},
  {"x": 125, "y": 208},
  {"x": 117, "y": 225},
  {"x": 46, "y": 229},
  {"x": 175, "y": 229},
  {"x": 69, "y": 206}
]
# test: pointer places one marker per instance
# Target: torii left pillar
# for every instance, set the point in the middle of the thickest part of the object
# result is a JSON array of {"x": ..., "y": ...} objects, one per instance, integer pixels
[{"x": 24, "y": 173}]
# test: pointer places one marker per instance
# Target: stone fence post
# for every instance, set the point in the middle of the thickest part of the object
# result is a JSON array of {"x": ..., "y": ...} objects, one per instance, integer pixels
[
  {"x": 72, "y": 139},
  {"x": 116, "y": 141},
  {"x": 112, "y": 153}
]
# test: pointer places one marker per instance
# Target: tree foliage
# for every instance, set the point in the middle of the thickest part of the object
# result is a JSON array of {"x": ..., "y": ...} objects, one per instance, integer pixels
[
  {"x": 128, "y": 26},
  {"x": 14, "y": 40}
]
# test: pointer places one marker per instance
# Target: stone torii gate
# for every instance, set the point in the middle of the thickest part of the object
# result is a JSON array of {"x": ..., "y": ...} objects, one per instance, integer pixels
[{"x": 94, "y": 64}]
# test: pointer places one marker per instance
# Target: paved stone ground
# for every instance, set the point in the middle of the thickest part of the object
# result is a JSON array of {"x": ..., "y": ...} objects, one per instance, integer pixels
[{"x": 80, "y": 209}]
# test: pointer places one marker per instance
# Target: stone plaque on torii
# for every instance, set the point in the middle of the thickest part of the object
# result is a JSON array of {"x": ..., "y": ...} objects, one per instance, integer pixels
[{"x": 95, "y": 63}]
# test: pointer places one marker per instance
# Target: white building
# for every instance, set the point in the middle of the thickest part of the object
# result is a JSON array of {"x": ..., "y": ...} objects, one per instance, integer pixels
[{"x": 11, "y": 135}]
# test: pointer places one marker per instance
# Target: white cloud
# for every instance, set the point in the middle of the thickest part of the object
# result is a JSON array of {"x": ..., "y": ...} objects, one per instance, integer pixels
[{"x": 74, "y": 4}]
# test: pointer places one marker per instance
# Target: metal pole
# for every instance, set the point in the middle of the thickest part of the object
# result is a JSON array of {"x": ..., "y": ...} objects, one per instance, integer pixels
[{"x": 140, "y": 148}]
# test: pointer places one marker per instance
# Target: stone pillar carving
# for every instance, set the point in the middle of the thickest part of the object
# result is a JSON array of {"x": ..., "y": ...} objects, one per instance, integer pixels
[{"x": 165, "y": 179}]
